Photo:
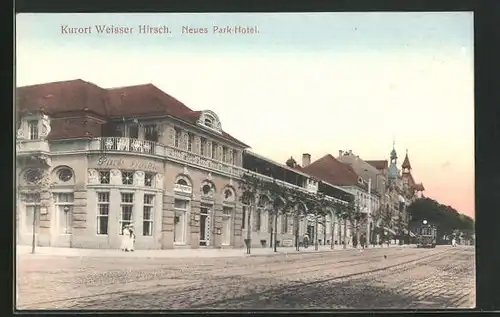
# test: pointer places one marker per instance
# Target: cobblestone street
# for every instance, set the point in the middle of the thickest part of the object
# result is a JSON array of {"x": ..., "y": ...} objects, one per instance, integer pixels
[{"x": 394, "y": 278}]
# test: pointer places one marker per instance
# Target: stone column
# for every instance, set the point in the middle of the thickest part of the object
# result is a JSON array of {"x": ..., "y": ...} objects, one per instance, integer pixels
[
  {"x": 194, "y": 222},
  {"x": 167, "y": 230},
  {"x": 217, "y": 223},
  {"x": 46, "y": 217},
  {"x": 81, "y": 226}
]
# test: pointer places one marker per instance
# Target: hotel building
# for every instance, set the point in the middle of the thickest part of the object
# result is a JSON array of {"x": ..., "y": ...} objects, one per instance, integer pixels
[{"x": 90, "y": 160}]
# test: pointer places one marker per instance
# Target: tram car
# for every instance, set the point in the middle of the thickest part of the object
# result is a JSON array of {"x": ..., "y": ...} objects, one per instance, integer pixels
[{"x": 426, "y": 235}]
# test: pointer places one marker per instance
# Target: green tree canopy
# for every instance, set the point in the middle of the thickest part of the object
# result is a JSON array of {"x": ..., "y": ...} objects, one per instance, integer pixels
[{"x": 446, "y": 218}]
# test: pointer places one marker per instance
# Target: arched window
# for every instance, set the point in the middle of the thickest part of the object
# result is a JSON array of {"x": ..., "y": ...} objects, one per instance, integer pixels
[
  {"x": 182, "y": 182},
  {"x": 33, "y": 176}
]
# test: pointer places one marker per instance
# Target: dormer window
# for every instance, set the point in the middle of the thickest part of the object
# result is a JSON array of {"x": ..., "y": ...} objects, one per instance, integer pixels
[
  {"x": 360, "y": 180},
  {"x": 208, "y": 123},
  {"x": 209, "y": 119},
  {"x": 33, "y": 129}
]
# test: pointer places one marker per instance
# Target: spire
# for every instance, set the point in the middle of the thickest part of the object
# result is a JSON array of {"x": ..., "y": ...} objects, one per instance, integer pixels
[
  {"x": 406, "y": 162},
  {"x": 394, "y": 155}
]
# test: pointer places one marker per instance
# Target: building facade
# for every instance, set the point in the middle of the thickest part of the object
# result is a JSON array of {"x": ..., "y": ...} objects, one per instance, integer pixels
[
  {"x": 91, "y": 160},
  {"x": 342, "y": 175}
]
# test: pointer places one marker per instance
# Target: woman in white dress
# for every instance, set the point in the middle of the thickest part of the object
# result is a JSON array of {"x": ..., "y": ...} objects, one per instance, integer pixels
[
  {"x": 131, "y": 240},
  {"x": 128, "y": 238}
]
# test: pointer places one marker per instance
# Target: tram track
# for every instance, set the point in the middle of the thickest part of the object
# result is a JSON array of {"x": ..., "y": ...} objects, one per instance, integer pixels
[
  {"x": 381, "y": 273},
  {"x": 285, "y": 269}
]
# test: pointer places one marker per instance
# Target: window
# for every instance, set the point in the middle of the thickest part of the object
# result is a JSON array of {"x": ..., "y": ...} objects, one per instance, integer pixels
[
  {"x": 206, "y": 189},
  {"x": 64, "y": 174},
  {"x": 33, "y": 129},
  {"x": 103, "y": 213},
  {"x": 284, "y": 224},
  {"x": 214, "y": 150},
  {"x": 64, "y": 207},
  {"x": 243, "y": 216},
  {"x": 104, "y": 177},
  {"x": 259, "y": 220},
  {"x": 147, "y": 215},
  {"x": 180, "y": 210},
  {"x": 133, "y": 131},
  {"x": 32, "y": 212},
  {"x": 182, "y": 182},
  {"x": 190, "y": 141},
  {"x": 208, "y": 122},
  {"x": 177, "y": 137},
  {"x": 203, "y": 146},
  {"x": 225, "y": 154},
  {"x": 228, "y": 195},
  {"x": 127, "y": 205},
  {"x": 151, "y": 132},
  {"x": 234, "y": 158},
  {"x": 148, "y": 179},
  {"x": 127, "y": 178},
  {"x": 33, "y": 176}
]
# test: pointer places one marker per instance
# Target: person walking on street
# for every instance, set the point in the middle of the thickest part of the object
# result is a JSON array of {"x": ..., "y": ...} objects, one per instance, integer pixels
[{"x": 306, "y": 240}]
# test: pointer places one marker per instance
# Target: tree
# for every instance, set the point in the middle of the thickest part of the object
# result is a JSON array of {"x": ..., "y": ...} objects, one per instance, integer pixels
[
  {"x": 445, "y": 218},
  {"x": 250, "y": 186}
]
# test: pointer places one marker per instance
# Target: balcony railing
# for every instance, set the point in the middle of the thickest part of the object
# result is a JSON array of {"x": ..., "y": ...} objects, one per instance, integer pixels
[
  {"x": 32, "y": 146},
  {"x": 127, "y": 145}
]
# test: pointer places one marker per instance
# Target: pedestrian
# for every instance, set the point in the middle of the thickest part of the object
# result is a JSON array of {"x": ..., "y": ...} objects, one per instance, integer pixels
[
  {"x": 362, "y": 241},
  {"x": 306, "y": 240},
  {"x": 128, "y": 238},
  {"x": 453, "y": 242}
]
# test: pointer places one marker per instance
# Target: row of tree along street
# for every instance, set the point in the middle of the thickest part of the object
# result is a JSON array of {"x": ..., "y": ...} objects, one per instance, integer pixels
[
  {"x": 317, "y": 206},
  {"x": 300, "y": 205},
  {"x": 449, "y": 222}
]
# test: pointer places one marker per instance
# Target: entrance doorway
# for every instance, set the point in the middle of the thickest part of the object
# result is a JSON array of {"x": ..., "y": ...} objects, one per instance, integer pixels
[
  {"x": 226, "y": 225},
  {"x": 310, "y": 233},
  {"x": 205, "y": 225}
]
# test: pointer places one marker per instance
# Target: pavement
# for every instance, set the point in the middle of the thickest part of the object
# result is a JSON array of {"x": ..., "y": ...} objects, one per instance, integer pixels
[
  {"x": 177, "y": 253},
  {"x": 376, "y": 278}
]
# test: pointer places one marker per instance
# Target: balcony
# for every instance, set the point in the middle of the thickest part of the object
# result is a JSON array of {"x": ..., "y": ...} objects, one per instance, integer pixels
[
  {"x": 127, "y": 145},
  {"x": 136, "y": 146},
  {"x": 28, "y": 147}
]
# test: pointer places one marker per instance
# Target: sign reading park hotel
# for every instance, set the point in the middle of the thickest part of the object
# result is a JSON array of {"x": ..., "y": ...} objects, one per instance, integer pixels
[{"x": 126, "y": 163}]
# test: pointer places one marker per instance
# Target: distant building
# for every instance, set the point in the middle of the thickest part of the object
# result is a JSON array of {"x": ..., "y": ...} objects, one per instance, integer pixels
[{"x": 331, "y": 170}]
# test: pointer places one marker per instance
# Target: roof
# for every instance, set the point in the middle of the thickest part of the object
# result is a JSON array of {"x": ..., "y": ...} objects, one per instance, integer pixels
[
  {"x": 378, "y": 164},
  {"x": 80, "y": 98},
  {"x": 330, "y": 170},
  {"x": 288, "y": 168},
  {"x": 406, "y": 162},
  {"x": 62, "y": 96}
]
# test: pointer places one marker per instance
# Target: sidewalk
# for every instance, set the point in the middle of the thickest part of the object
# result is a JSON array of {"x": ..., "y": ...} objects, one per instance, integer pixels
[{"x": 175, "y": 253}]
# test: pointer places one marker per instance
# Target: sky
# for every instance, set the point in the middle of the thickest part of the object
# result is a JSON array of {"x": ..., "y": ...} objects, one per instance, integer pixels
[{"x": 300, "y": 83}]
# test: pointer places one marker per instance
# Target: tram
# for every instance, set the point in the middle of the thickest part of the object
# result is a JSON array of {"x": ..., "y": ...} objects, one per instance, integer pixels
[{"x": 426, "y": 235}]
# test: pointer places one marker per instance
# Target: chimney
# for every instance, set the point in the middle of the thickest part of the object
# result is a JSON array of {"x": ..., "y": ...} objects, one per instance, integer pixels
[
  {"x": 340, "y": 153},
  {"x": 306, "y": 159}
]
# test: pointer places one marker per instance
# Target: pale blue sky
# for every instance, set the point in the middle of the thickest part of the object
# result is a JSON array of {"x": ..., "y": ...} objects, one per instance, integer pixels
[
  {"x": 331, "y": 32},
  {"x": 312, "y": 83}
]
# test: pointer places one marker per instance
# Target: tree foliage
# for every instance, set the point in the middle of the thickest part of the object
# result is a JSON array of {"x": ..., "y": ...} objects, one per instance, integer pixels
[{"x": 446, "y": 218}]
